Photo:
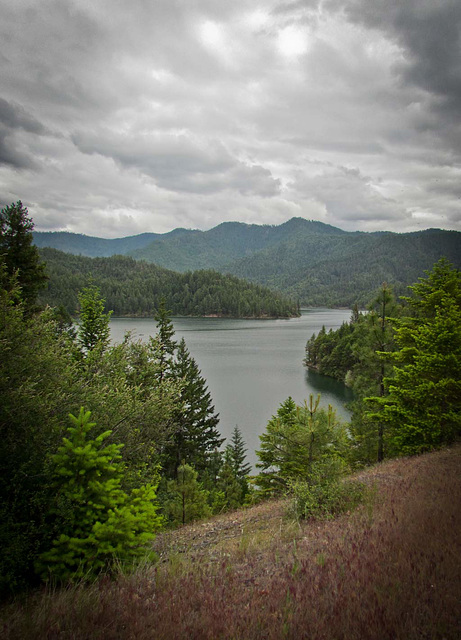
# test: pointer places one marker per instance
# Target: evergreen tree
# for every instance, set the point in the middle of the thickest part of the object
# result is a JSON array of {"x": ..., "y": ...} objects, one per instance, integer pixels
[
  {"x": 229, "y": 492},
  {"x": 98, "y": 523},
  {"x": 93, "y": 330},
  {"x": 236, "y": 454},
  {"x": 423, "y": 406},
  {"x": 165, "y": 340},
  {"x": 187, "y": 500},
  {"x": 373, "y": 335},
  {"x": 196, "y": 435},
  {"x": 296, "y": 438},
  {"x": 18, "y": 252}
]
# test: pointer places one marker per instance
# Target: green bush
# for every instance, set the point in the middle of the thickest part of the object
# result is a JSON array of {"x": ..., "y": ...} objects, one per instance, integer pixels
[{"x": 325, "y": 493}]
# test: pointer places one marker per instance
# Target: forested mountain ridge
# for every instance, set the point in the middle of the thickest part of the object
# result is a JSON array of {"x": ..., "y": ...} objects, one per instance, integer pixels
[
  {"x": 222, "y": 246},
  {"x": 134, "y": 288},
  {"x": 341, "y": 271},
  {"x": 185, "y": 249},
  {"x": 308, "y": 260},
  {"x": 92, "y": 247}
]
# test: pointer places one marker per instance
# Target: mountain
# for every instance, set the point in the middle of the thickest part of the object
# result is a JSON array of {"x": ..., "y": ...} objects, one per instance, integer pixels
[
  {"x": 80, "y": 244},
  {"x": 345, "y": 270},
  {"x": 314, "y": 262},
  {"x": 223, "y": 245}
]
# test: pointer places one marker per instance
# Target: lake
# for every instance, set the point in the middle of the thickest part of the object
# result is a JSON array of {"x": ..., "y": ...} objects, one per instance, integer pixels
[{"x": 251, "y": 366}]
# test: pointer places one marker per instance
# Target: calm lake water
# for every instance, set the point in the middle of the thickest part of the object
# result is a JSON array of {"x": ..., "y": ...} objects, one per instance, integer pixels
[{"x": 251, "y": 366}]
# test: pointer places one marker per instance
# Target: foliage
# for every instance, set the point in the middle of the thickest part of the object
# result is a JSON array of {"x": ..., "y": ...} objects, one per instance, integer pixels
[
  {"x": 196, "y": 435},
  {"x": 423, "y": 406},
  {"x": 18, "y": 253},
  {"x": 93, "y": 329},
  {"x": 373, "y": 335},
  {"x": 310, "y": 261},
  {"x": 187, "y": 500},
  {"x": 133, "y": 288},
  {"x": 295, "y": 438},
  {"x": 353, "y": 354},
  {"x": 36, "y": 381},
  {"x": 326, "y": 493},
  {"x": 41, "y": 379},
  {"x": 99, "y": 523},
  {"x": 236, "y": 454},
  {"x": 331, "y": 354}
]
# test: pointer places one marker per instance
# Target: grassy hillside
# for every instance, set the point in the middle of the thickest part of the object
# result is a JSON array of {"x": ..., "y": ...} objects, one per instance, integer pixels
[{"x": 390, "y": 570}]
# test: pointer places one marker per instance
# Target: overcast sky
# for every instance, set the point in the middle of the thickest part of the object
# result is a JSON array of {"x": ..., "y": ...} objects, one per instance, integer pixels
[{"x": 124, "y": 116}]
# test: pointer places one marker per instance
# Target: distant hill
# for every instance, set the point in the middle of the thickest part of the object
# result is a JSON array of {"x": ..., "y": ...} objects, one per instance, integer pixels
[
  {"x": 226, "y": 243},
  {"x": 309, "y": 260},
  {"x": 345, "y": 270},
  {"x": 80, "y": 244},
  {"x": 134, "y": 288}
]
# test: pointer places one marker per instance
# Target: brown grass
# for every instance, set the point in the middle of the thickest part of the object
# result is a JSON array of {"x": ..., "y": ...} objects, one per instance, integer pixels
[{"x": 390, "y": 570}]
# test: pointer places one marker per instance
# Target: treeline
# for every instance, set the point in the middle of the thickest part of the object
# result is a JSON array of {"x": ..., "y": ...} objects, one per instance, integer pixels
[
  {"x": 101, "y": 445},
  {"x": 133, "y": 288},
  {"x": 402, "y": 359}
]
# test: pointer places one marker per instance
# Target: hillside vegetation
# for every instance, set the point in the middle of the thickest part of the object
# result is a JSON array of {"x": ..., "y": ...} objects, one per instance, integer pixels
[
  {"x": 107, "y": 448},
  {"x": 311, "y": 261},
  {"x": 389, "y": 571},
  {"x": 133, "y": 288}
]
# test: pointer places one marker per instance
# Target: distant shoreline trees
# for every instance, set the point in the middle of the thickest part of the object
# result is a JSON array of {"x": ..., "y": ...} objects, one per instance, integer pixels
[{"x": 135, "y": 289}]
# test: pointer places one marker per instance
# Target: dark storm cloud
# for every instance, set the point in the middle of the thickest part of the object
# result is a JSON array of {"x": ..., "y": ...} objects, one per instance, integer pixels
[
  {"x": 14, "y": 118},
  {"x": 429, "y": 31}
]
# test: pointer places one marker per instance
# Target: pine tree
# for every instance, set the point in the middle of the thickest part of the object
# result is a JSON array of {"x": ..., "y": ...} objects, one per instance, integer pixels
[
  {"x": 295, "y": 438},
  {"x": 93, "y": 331},
  {"x": 236, "y": 453},
  {"x": 187, "y": 499},
  {"x": 196, "y": 435},
  {"x": 19, "y": 254},
  {"x": 373, "y": 335},
  {"x": 165, "y": 340},
  {"x": 229, "y": 492}
]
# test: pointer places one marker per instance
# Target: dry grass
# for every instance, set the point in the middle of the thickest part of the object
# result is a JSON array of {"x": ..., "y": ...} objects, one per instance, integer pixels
[{"x": 390, "y": 570}]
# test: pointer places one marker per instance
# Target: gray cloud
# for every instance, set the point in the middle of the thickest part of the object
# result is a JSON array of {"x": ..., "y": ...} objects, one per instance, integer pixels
[
  {"x": 429, "y": 33},
  {"x": 120, "y": 117},
  {"x": 178, "y": 163},
  {"x": 14, "y": 119}
]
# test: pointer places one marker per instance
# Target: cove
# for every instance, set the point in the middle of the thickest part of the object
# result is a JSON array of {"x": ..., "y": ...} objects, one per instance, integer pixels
[{"x": 251, "y": 366}]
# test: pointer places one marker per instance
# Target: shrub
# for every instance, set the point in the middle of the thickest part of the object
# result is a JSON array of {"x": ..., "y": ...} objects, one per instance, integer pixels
[
  {"x": 325, "y": 493},
  {"x": 101, "y": 524}
]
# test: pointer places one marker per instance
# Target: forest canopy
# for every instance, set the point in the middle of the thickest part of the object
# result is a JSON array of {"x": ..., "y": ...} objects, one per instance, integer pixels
[{"x": 133, "y": 288}]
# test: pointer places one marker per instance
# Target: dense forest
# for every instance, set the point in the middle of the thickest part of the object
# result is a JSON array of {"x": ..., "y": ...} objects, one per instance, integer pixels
[
  {"x": 103, "y": 445},
  {"x": 402, "y": 359},
  {"x": 133, "y": 288},
  {"x": 315, "y": 263}
]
